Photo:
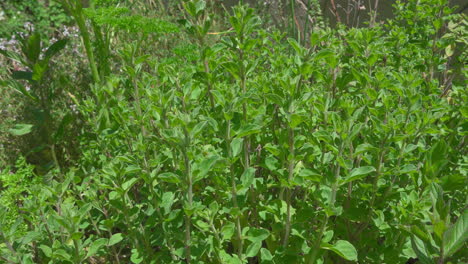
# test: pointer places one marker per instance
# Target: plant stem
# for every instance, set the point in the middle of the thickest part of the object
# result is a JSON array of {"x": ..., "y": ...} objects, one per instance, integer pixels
[
  {"x": 288, "y": 191},
  {"x": 76, "y": 11},
  {"x": 8, "y": 244},
  {"x": 188, "y": 173},
  {"x": 54, "y": 157},
  {"x": 234, "y": 190},
  {"x": 332, "y": 198},
  {"x": 207, "y": 72},
  {"x": 77, "y": 250}
]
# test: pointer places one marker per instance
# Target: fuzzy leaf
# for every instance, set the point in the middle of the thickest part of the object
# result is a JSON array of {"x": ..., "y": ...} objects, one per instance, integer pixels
[
  {"x": 358, "y": 173},
  {"x": 21, "y": 129},
  {"x": 420, "y": 250},
  {"x": 248, "y": 130},
  {"x": 55, "y": 48},
  {"x": 252, "y": 249},
  {"x": 236, "y": 146},
  {"x": 169, "y": 177},
  {"x": 95, "y": 246},
  {"x": 455, "y": 236},
  {"x": 115, "y": 238},
  {"x": 258, "y": 234},
  {"x": 343, "y": 248}
]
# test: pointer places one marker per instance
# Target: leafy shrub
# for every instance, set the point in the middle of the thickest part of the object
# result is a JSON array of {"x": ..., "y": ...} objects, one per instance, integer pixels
[
  {"x": 15, "y": 184},
  {"x": 44, "y": 18},
  {"x": 255, "y": 148}
]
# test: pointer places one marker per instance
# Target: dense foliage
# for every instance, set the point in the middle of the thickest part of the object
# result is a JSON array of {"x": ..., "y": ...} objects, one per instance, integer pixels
[{"x": 207, "y": 136}]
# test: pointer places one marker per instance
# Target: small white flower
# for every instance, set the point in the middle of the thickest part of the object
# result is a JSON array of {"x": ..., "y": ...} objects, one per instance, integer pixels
[{"x": 29, "y": 26}]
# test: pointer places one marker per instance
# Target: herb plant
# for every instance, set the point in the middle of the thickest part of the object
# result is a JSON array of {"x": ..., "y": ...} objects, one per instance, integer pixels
[{"x": 244, "y": 145}]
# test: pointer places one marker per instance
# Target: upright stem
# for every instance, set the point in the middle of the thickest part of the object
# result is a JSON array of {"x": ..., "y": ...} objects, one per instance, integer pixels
[
  {"x": 80, "y": 20},
  {"x": 77, "y": 250},
  {"x": 207, "y": 71},
  {"x": 335, "y": 11},
  {"x": 76, "y": 11},
  {"x": 234, "y": 191},
  {"x": 8, "y": 244},
  {"x": 332, "y": 198},
  {"x": 374, "y": 13},
  {"x": 244, "y": 109},
  {"x": 54, "y": 157},
  {"x": 188, "y": 173},
  {"x": 288, "y": 191}
]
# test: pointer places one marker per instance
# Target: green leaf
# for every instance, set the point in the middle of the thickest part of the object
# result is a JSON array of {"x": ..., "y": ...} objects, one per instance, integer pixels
[
  {"x": 199, "y": 6},
  {"x": 167, "y": 200},
  {"x": 128, "y": 184},
  {"x": 271, "y": 163},
  {"x": 95, "y": 246},
  {"x": 449, "y": 50},
  {"x": 66, "y": 120},
  {"x": 205, "y": 167},
  {"x": 247, "y": 178},
  {"x": 32, "y": 48},
  {"x": 22, "y": 75},
  {"x": 252, "y": 249},
  {"x": 325, "y": 53},
  {"x": 420, "y": 250},
  {"x": 132, "y": 169},
  {"x": 233, "y": 68},
  {"x": 169, "y": 177},
  {"x": 248, "y": 130},
  {"x": 364, "y": 148},
  {"x": 55, "y": 48},
  {"x": 228, "y": 231},
  {"x": 31, "y": 236},
  {"x": 77, "y": 235},
  {"x": 214, "y": 207},
  {"x": 47, "y": 250},
  {"x": 296, "y": 120},
  {"x": 135, "y": 257},
  {"x": 456, "y": 235},
  {"x": 115, "y": 238},
  {"x": 62, "y": 254},
  {"x": 13, "y": 55},
  {"x": 358, "y": 173},
  {"x": 21, "y": 129},
  {"x": 258, "y": 234},
  {"x": 295, "y": 45},
  {"x": 314, "y": 38},
  {"x": 39, "y": 69},
  {"x": 84, "y": 209},
  {"x": 20, "y": 89},
  {"x": 310, "y": 175},
  {"x": 343, "y": 248},
  {"x": 327, "y": 237},
  {"x": 423, "y": 235},
  {"x": 197, "y": 129},
  {"x": 265, "y": 254},
  {"x": 236, "y": 146},
  {"x": 408, "y": 168},
  {"x": 229, "y": 259}
]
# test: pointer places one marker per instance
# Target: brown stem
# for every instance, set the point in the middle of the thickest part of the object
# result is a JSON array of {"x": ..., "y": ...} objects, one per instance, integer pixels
[{"x": 335, "y": 11}]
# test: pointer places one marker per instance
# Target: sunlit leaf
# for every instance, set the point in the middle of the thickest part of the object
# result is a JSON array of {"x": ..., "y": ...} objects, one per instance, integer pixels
[
  {"x": 343, "y": 248},
  {"x": 456, "y": 236},
  {"x": 21, "y": 129}
]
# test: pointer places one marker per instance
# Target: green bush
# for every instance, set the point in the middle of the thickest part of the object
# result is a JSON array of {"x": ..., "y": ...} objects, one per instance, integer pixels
[
  {"x": 21, "y": 16},
  {"x": 245, "y": 146}
]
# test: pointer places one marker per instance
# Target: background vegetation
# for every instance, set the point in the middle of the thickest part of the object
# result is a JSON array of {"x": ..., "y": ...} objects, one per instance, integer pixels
[{"x": 211, "y": 132}]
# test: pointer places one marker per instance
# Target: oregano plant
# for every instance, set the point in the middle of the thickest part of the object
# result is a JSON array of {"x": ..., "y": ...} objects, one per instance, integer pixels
[{"x": 230, "y": 142}]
